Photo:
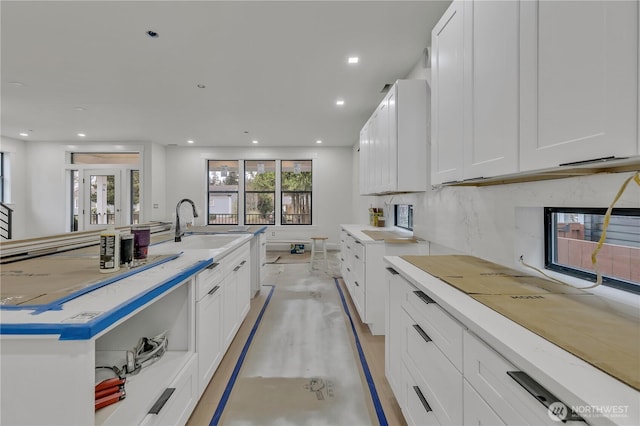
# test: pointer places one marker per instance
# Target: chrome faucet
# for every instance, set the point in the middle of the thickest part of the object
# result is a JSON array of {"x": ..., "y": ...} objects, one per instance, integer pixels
[{"x": 179, "y": 233}]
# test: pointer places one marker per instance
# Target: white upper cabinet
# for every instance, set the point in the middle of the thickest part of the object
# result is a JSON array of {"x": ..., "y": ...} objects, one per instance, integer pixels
[
  {"x": 579, "y": 81},
  {"x": 491, "y": 83},
  {"x": 522, "y": 86},
  {"x": 393, "y": 143},
  {"x": 447, "y": 102}
]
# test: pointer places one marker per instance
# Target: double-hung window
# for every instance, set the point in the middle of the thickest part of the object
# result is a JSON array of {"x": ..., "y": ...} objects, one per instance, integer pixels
[
  {"x": 260, "y": 192},
  {"x": 296, "y": 190},
  {"x": 223, "y": 186}
]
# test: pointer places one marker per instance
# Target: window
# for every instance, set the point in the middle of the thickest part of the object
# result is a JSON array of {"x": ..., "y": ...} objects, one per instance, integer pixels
[
  {"x": 404, "y": 216},
  {"x": 572, "y": 234},
  {"x": 2, "y": 168},
  {"x": 260, "y": 192},
  {"x": 296, "y": 191},
  {"x": 135, "y": 196},
  {"x": 222, "y": 208}
]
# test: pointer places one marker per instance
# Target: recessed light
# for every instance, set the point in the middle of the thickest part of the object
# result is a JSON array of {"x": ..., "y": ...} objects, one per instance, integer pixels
[
  {"x": 318, "y": 141},
  {"x": 254, "y": 141},
  {"x": 82, "y": 135},
  {"x": 79, "y": 108},
  {"x": 24, "y": 134},
  {"x": 16, "y": 83},
  {"x": 200, "y": 86},
  {"x": 353, "y": 59},
  {"x": 189, "y": 141},
  {"x": 340, "y": 102},
  {"x": 152, "y": 34}
]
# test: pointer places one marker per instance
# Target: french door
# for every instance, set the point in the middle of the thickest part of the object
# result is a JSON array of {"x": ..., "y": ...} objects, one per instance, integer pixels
[{"x": 101, "y": 191}]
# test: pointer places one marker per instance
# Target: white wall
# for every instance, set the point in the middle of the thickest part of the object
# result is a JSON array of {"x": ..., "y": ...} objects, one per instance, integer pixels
[
  {"x": 40, "y": 186},
  {"x": 16, "y": 181},
  {"x": 332, "y": 181}
]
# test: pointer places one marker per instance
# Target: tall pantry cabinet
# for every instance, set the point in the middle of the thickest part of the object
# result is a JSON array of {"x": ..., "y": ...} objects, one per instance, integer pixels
[{"x": 521, "y": 86}]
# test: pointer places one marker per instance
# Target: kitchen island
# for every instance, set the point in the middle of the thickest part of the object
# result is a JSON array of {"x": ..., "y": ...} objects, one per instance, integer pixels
[{"x": 198, "y": 294}]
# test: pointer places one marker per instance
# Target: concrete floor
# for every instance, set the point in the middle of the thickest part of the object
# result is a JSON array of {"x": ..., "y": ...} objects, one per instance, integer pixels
[{"x": 301, "y": 367}]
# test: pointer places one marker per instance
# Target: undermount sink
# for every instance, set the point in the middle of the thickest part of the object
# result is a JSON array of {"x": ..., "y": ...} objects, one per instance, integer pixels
[{"x": 216, "y": 242}]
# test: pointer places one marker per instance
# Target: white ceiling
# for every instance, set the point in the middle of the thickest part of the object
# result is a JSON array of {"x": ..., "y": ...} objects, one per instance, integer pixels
[{"x": 273, "y": 69}]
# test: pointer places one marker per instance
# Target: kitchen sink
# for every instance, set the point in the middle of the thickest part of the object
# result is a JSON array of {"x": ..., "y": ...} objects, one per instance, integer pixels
[{"x": 214, "y": 243}]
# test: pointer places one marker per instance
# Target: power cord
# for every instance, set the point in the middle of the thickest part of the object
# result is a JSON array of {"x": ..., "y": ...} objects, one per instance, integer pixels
[{"x": 594, "y": 255}]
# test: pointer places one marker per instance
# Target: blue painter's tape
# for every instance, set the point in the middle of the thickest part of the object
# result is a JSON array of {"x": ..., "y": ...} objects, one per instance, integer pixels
[
  {"x": 56, "y": 305},
  {"x": 91, "y": 328},
  {"x": 236, "y": 370},
  {"x": 382, "y": 419}
]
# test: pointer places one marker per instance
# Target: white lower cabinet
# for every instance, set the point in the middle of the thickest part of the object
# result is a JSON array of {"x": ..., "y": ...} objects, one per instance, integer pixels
[
  {"x": 492, "y": 376},
  {"x": 363, "y": 271},
  {"x": 441, "y": 373},
  {"x": 476, "y": 410},
  {"x": 176, "y": 402},
  {"x": 236, "y": 295},
  {"x": 209, "y": 323}
]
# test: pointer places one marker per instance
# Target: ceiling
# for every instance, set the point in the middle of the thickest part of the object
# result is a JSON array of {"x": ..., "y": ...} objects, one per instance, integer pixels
[{"x": 272, "y": 71}]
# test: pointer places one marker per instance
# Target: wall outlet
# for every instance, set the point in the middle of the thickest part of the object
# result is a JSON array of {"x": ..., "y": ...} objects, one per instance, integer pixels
[{"x": 273, "y": 233}]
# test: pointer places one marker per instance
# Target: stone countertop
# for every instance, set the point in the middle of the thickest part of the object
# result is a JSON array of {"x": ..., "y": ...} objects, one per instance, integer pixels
[
  {"x": 571, "y": 379},
  {"x": 105, "y": 304}
]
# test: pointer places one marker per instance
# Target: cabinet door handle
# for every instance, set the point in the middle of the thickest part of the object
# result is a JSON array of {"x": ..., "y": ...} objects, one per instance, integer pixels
[
  {"x": 236, "y": 268},
  {"x": 422, "y": 334},
  {"x": 161, "y": 401},
  {"x": 348, "y": 269},
  {"x": 213, "y": 265},
  {"x": 356, "y": 256},
  {"x": 213, "y": 290},
  {"x": 426, "y": 299},
  {"x": 392, "y": 271},
  {"x": 423, "y": 400},
  {"x": 349, "y": 247},
  {"x": 545, "y": 397},
  {"x": 356, "y": 283}
]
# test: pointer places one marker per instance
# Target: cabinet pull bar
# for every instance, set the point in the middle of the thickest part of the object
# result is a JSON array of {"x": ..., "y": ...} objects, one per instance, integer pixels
[
  {"x": 356, "y": 256},
  {"x": 392, "y": 271},
  {"x": 213, "y": 265},
  {"x": 243, "y": 262},
  {"x": 236, "y": 268},
  {"x": 422, "y": 334},
  {"x": 161, "y": 401},
  {"x": 426, "y": 299},
  {"x": 545, "y": 397},
  {"x": 357, "y": 285},
  {"x": 213, "y": 290},
  {"x": 348, "y": 269},
  {"x": 423, "y": 400},
  {"x": 594, "y": 160}
]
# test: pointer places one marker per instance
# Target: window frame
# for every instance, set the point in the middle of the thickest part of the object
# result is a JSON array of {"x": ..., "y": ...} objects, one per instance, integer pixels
[
  {"x": 550, "y": 246},
  {"x": 244, "y": 186},
  {"x": 409, "y": 227},
  {"x": 283, "y": 191},
  {"x": 240, "y": 186}
]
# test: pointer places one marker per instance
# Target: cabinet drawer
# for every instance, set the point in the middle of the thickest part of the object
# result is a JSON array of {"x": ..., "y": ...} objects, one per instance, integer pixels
[
  {"x": 176, "y": 406},
  {"x": 234, "y": 259},
  {"x": 440, "y": 380},
  {"x": 417, "y": 409},
  {"x": 208, "y": 279},
  {"x": 445, "y": 331},
  {"x": 358, "y": 251},
  {"x": 476, "y": 410},
  {"x": 486, "y": 371}
]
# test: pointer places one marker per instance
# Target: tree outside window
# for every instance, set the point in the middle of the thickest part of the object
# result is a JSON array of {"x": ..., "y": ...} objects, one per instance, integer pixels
[
  {"x": 260, "y": 187},
  {"x": 296, "y": 191}
]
